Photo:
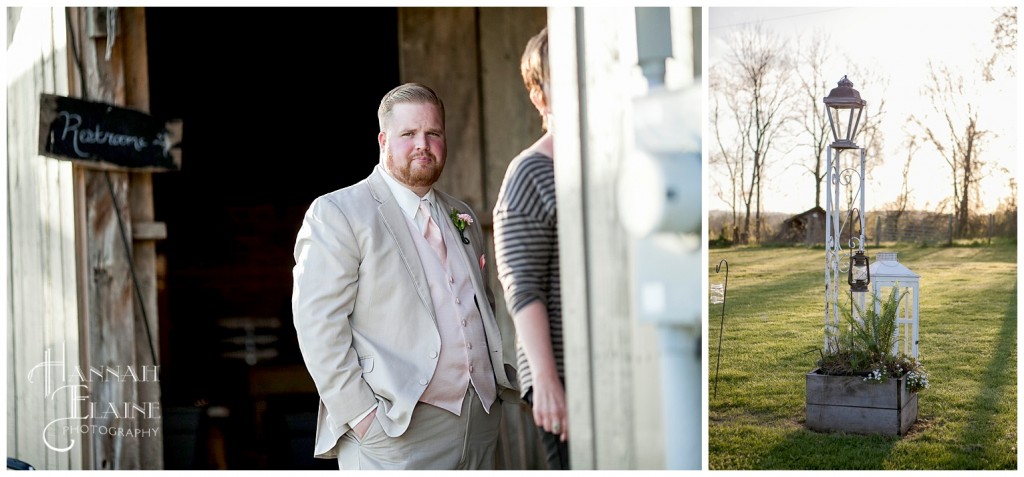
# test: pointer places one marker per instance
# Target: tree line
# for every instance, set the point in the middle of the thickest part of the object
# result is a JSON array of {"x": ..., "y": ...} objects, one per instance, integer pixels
[{"x": 766, "y": 105}]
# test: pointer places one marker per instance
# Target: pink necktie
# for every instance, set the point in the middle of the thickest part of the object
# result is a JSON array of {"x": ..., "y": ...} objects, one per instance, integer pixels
[{"x": 433, "y": 234}]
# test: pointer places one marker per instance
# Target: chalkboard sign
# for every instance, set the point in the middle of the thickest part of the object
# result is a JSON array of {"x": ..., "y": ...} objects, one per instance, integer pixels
[{"x": 106, "y": 136}]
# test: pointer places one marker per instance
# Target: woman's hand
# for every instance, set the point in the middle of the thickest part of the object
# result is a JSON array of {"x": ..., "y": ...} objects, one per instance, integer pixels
[{"x": 549, "y": 409}]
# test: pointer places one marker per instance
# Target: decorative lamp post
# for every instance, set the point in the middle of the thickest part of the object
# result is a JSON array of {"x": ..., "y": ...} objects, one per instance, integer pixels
[
  {"x": 888, "y": 272},
  {"x": 837, "y": 401},
  {"x": 844, "y": 107}
]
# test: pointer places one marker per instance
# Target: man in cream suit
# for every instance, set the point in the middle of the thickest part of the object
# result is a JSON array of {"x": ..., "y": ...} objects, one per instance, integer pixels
[{"x": 394, "y": 318}]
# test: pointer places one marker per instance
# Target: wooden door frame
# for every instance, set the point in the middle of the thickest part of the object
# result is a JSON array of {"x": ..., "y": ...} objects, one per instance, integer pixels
[{"x": 109, "y": 279}]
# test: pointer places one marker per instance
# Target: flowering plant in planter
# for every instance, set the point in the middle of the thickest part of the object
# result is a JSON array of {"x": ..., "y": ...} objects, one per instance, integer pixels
[{"x": 864, "y": 347}]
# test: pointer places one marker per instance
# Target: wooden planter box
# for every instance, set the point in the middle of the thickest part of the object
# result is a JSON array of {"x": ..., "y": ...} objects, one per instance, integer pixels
[{"x": 850, "y": 404}]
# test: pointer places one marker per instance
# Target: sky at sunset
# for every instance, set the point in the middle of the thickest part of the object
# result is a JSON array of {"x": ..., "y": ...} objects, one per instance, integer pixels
[{"x": 897, "y": 42}]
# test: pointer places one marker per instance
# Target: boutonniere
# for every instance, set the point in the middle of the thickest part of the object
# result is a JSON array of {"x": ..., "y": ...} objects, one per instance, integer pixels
[{"x": 461, "y": 221}]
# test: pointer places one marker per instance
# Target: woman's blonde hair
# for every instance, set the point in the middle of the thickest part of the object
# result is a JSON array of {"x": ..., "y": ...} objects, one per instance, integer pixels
[
  {"x": 534, "y": 68},
  {"x": 534, "y": 64}
]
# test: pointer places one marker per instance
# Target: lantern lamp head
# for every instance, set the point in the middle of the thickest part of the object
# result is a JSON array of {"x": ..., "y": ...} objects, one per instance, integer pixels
[
  {"x": 860, "y": 272},
  {"x": 844, "y": 106}
]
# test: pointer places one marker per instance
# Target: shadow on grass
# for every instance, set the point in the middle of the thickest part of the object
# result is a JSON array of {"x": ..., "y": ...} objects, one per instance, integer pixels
[
  {"x": 809, "y": 450},
  {"x": 977, "y": 440}
]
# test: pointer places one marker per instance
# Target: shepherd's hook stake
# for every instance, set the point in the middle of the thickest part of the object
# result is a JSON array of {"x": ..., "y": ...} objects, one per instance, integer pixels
[{"x": 721, "y": 326}]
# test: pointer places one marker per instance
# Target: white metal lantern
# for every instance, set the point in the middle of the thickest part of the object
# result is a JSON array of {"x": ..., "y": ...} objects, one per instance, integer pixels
[{"x": 887, "y": 272}]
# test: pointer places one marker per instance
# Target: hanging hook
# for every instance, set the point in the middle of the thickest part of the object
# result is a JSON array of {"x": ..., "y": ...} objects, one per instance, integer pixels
[{"x": 111, "y": 30}]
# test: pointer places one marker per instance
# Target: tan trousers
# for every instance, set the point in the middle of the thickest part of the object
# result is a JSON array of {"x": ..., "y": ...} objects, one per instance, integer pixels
[{"x": 436, "y": 440}]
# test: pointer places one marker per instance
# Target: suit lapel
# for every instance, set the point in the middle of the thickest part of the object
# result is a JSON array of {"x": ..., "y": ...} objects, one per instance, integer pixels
[{"x": 395, "y": 222}]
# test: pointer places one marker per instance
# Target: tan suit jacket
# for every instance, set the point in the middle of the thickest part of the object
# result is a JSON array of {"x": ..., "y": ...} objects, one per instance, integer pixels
[{"x": 362, "y": 308}]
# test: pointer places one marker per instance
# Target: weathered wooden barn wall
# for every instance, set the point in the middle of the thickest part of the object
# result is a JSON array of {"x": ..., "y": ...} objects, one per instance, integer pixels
[
  {"x": 470, "y": 56},
  {"x": 42, "y": 314},
  {"x": 71, "y": 289},
  {"x": 145, "y": 231},
  {"x": 114, "y": 335}
]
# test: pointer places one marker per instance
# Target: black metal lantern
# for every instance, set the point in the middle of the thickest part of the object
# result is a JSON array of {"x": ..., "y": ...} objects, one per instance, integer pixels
[
  {"x": 860, "y": 274},
  {"x": 844, "y": 108}
]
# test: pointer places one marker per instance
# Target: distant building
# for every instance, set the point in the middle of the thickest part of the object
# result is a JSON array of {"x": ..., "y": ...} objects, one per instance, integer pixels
[{"x": 807, "y": 226}]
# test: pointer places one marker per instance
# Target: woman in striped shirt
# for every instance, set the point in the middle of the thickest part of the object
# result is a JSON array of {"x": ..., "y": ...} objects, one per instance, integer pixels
[{"x": 526, "y": 249}]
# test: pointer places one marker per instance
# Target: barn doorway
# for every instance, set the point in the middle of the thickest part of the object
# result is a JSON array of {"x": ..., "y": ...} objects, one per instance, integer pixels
[{"x": 279, "y": 106}]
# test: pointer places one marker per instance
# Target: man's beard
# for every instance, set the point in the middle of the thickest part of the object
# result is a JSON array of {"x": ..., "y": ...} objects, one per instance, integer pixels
[{"x": 421, "y": 177}]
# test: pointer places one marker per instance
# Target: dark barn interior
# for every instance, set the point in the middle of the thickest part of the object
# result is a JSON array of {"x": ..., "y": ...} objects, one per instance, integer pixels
[{"x": 279, "y": 106}]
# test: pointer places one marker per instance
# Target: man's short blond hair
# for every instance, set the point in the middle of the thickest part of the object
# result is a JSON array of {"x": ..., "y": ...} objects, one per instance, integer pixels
[{"x": 407, "y": 93}]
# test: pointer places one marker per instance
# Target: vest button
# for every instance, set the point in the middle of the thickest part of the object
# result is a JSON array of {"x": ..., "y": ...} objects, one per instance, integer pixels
[
  {"x": 451, "y": 279},
  {"x": 463, "y": 322},
  {"x": 458, "y": 301},
  {"x": 423, "y": 382},
  {"x": 469, "y": 345},
  {"x": 433, "y": 354}
]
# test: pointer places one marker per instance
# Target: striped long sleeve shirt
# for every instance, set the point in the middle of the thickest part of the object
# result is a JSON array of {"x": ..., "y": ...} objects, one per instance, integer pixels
[{"x": 526, "y": 249}]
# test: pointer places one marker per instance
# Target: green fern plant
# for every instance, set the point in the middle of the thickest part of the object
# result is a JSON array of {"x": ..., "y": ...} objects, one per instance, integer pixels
[{"x": 864, "y": 346}]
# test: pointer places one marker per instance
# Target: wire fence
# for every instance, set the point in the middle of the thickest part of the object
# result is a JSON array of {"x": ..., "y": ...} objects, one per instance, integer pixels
[
  {"x": 927, "y": 227},
  {"x": 883, "y": 226}
]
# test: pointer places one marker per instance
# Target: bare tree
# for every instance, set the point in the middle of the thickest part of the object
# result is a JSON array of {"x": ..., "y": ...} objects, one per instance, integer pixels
[
  {"x": 956, "y": 135},
  {"x": 1004, "y": 41},
  {"x": 813, "y": 87},
  {"x": 898, "y": 206},
  {"x": 754, "y": 83},
  {"x": 871, "y": 136},
  {"x": 1007, "y": 211},
  {"x": 728, "y": 153}
]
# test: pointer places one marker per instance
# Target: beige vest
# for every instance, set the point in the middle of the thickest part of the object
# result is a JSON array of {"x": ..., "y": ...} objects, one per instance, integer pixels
[{"x": 463, "y": 358}]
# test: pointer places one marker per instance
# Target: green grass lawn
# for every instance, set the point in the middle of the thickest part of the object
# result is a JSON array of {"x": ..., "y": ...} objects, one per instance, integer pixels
[{"x": 774, "y": 327}]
